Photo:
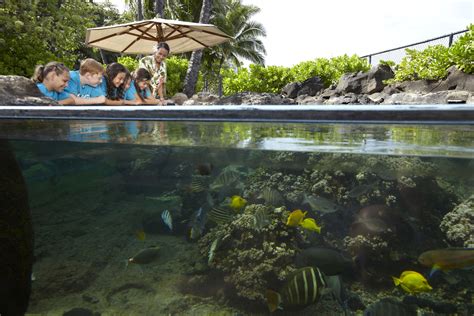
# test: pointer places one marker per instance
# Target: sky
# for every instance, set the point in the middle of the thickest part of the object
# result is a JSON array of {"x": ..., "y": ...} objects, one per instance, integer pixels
[{"x": 301, "y": 30}]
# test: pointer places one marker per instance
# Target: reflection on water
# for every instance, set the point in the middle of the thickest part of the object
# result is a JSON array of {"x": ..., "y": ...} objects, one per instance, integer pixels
[
  {"x": 422, "y": 140},
  {"x": 158, "y": 218}
]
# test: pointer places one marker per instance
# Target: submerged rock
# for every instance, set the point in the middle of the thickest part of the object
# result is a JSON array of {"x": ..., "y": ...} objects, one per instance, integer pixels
[{"x": 458, "y": 225}]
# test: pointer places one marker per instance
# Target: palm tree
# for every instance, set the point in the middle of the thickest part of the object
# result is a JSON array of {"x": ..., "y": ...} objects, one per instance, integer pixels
[
  {"x": 235, "y": 20},
  {"x": 159, "y": 7},
  {"x": 137, "y": 7},
  {"x": 195, "y": 61}
]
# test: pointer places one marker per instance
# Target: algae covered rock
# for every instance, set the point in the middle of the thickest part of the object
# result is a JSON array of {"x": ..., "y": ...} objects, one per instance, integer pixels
[
  {"x": 458, "y": 225},
  {"x": 253, "y": 257}
]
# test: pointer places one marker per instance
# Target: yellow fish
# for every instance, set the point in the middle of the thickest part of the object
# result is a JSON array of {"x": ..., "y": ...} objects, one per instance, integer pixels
[
  {"x": 295, "y": 218},
  {"x": 140, "y": 234},
  {"x": 237, "y": 202},
  {"x": 412, "y": 282},
  {"x": 310, "y": 224}
]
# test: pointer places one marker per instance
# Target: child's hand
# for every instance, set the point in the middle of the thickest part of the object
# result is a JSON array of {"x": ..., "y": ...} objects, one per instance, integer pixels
[{"x": 100, "y": 100}]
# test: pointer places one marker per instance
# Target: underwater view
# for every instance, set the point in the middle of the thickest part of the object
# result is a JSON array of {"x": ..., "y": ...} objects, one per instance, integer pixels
[{"x": 213, "y": 218}]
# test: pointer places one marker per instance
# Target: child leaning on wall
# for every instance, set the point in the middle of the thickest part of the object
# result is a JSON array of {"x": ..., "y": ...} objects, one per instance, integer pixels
[
  {"x": 139, "y": 89},
  {"x": 114, "y": 85},
  {"x": 51, "y": 81},
  {"x": 85, "y": 83}
]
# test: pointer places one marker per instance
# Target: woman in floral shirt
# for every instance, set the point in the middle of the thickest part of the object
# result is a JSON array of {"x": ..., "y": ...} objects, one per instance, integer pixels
[{"x": 155, "y": 64}]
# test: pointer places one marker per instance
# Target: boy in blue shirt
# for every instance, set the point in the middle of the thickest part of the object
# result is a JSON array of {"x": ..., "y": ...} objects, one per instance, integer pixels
[{"x": 85, "y": 84}]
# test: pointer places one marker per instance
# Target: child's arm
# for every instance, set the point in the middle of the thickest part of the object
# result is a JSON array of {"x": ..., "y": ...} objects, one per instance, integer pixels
[
  {"x": 96, "y": 100},
  {"x": 69, "y": 101},
  {"x": 114, "y": 102}
]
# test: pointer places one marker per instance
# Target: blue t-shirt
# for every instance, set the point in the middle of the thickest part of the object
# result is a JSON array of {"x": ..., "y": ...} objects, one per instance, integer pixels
[
  {"x": 58, "y": 96},
  {"x": 130, "y": 92},
  {"x": 83, "y": 91}
]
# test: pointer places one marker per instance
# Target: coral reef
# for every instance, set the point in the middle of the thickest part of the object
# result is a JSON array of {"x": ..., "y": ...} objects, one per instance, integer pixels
[
  {"x": 458, "y": 225},
  {"x": 253, "y": 259}
]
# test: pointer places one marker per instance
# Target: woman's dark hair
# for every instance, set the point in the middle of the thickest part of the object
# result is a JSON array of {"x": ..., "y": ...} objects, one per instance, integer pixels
[
  {"x": 139, "y": 75},
  {"x": 162, "y": 45},
  {"x": 111, "y": 72},
  {"x": 42, "y": 71}
]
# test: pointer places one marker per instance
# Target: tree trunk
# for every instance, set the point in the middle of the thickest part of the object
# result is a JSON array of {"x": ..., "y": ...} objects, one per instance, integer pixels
[
  {"x": 195, "y": 61},
  {"x": 139, "y": 10},
  {"x": 159, "y": 7}
]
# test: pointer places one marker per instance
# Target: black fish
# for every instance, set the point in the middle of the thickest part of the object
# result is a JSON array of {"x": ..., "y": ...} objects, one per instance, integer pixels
[
  {"x": 390, "y": 307},
  {"x": 304, "y": 287},
  {"x": 330, "y": 261}
]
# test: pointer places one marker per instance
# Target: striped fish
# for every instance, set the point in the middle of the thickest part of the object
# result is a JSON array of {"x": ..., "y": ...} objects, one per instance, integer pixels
[
  {"x": 226, "y": 178},
  {"x": 167, "y": 219},
  {"x": 199, "y": 183},
  {"x": 220, "y": 215},
  {"x": 261, "y": 219},
  {"x": 271, "y": 197},
  {"x": 304, "y": 287}
]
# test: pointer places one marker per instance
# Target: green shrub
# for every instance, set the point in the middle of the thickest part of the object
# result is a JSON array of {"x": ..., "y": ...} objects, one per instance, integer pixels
[
  {"x": 389, "y": 63},
  {"x": 273, "y": 78},
  {"x": 431, "y": 63},
  {"x": 129, "y": 62},
  {"x": 461, "y": 52},
  {"x": 176, "y": 73}
]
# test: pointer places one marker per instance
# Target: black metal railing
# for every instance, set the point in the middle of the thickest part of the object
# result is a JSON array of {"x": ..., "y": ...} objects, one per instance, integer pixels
[{"x": 396, "y": 54}]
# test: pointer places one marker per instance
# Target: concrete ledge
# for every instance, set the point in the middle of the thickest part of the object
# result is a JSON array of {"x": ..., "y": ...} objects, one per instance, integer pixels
[{"x": 282, "y": 113}]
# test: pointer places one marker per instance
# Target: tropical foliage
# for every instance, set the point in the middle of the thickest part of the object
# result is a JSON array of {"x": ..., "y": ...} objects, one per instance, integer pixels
[
  {"x": 273, "y": 78},
  {"x": 433, "y": 62},
  {"x": 36, "y": 32}
]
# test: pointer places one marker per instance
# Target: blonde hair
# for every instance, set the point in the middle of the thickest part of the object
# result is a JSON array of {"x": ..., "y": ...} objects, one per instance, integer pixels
[
  {"x": 42, "y": 71},
  {"x": 92, "y": 66}
]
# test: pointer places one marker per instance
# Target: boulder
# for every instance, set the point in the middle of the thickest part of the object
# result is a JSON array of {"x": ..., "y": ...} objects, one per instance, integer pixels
[
  {"x": 456, "y": 80},
  {"x": 311, "y": 86},
  {"x": 367, "y": 83},
  {"x": 205, "y": 97},
  {"x": 291, "y": 90},
  {"x": 351, "y": 83},
  {"x": 253, "y": 98},
  {"x": 420, "y": 98},
  {"x": 17, "y": 90},
  {"x": 179, "y": 98},
  {"x": 417, "y": 86}
]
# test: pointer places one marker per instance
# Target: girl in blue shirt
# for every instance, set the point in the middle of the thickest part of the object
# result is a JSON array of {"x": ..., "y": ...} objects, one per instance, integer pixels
[
  {"x": 51, "y": 81},
  {"x": 114, "y": 85},
  {"x": 140, "y": 88}
]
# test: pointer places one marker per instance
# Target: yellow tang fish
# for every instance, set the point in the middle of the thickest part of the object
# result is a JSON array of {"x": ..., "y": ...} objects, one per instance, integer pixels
[
  {"x": 310, "y": 224},
  {"x": 295, "y": 218},
  {"x": 412, "y": 282},
  {"x": 140, "y": 234},
  {"x": 237, "y": 202}
]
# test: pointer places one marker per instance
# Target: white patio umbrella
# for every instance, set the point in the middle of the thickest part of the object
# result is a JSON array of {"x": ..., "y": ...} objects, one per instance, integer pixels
[{"x": 139, "y": 37}]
